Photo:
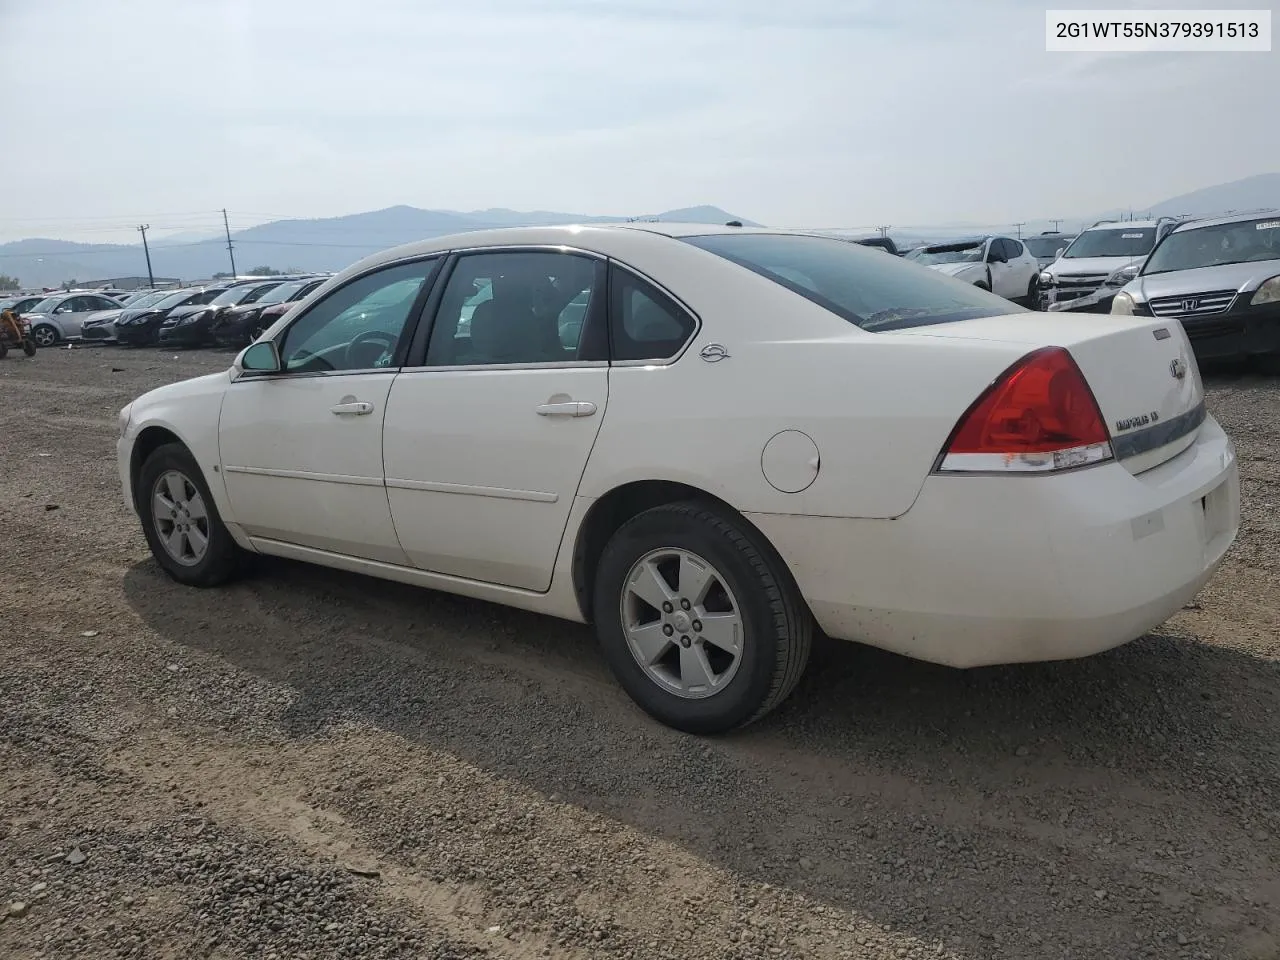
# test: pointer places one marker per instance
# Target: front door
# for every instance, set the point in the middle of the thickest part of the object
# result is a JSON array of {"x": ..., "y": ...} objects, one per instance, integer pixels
[
  {"x": 301, "y": 449},
  {"x": 487, "y": 439}
]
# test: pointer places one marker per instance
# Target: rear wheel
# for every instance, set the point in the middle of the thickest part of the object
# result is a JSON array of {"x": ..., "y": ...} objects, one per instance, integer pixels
[
  {"x": 698, "y": 620},
  {"x": 29, "y": 347},
  {"x": 181, "y": 522},
  {"x": 44, "y": 334}
]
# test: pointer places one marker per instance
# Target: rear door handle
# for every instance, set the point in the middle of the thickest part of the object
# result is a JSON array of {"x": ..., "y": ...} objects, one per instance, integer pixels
[
  {"x": 356, "y": 408},
  {"x": 569, "y": 408}
]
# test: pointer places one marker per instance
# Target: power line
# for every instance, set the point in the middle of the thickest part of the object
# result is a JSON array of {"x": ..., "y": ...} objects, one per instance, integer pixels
[{"x": 151, "y": 280}]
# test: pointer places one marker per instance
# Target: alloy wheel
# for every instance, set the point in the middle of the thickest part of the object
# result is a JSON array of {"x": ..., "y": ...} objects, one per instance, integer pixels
[
  {"x": 682, "y": 623},
  {"x": 180, "y": 517}
]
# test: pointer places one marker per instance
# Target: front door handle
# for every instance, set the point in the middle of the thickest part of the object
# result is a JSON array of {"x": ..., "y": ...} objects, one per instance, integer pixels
[
  {"x": 568, "y": 408},
  {"x": 355, "y": 408}
]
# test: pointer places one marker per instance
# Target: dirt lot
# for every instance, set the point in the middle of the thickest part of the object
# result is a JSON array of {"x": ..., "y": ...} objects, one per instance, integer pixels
[{"x": 310, "y": 764}]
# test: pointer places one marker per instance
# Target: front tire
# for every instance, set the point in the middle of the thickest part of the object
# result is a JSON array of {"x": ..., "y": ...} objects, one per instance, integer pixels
[
  {"x": 982, "y": 285},
  {"x": 45, "y": 335},
  {"x": 181, "y": 522},
  {"x": 698, "y": 619}
]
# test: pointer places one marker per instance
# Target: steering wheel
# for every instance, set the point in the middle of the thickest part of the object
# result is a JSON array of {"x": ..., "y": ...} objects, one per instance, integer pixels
[{"x": 352, "y": 355}]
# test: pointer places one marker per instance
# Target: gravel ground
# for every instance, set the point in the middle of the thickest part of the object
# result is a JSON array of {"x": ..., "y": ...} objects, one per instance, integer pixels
[{"x": 310, "y": 764}]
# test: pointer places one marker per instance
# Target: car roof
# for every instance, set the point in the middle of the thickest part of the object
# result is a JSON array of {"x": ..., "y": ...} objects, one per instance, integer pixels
[
  {"x": 580, "y": 235},
  {"x": 1242, "y": 217}
]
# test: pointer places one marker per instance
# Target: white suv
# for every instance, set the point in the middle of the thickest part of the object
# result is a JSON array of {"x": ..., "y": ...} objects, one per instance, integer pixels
[{"x": 1087, "y": 275}]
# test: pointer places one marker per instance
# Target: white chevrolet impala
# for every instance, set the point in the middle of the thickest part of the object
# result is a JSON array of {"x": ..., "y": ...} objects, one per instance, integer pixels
[{"x": 708, "y": 442}]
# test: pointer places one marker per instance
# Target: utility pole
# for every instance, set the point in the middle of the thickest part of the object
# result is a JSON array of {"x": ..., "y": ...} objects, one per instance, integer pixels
[
  {"x": 231, "y": 253},
  {"x": 884, "y": 231},
  {"x": 151, "y": 280},
  {"x": 1020, "y": 226},
  {"x": 1056, "y": 225}
]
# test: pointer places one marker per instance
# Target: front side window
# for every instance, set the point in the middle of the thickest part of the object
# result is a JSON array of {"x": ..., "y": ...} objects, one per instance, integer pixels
[
  {"x": 874, "y": 292},
  {"x": 513, "y": 307},
  {"x": 1112, "y": 242},
  {"x": 359, "y": 326},
  {"x": 1246, "y": 241},
  {"x": 1012, "y": 248},
  {"x": 645, "y": 324}
]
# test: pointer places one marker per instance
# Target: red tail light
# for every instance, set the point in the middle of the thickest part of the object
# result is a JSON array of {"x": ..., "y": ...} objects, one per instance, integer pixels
[{"x": 1039, "y": 416}]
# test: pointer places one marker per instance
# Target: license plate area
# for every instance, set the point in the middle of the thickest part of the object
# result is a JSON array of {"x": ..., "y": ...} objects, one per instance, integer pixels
[{"x": 1215, "y": 508}]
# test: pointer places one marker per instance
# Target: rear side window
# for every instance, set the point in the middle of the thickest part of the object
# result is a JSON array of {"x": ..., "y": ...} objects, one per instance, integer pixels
[
  {"x": 875, "y": 292},
  {"x": 644, "y": 323}
]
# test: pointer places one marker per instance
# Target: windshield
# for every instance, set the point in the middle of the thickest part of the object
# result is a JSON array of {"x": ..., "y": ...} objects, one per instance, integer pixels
[
  {"x": 283, "y": 292},
  {"x": 966, "y": 251},
  {"x": 245, "y": 293},
  {"x": 172, "y": 300},
  {"x": 862, "y": 286},
  {"x": 1041, "y": 247},
  {"x": 1242, "y": 242},
  {"x": 148, "y": 299},
  {"x": 45, "y": 306},
  {"x": 1112, "y": 242}
]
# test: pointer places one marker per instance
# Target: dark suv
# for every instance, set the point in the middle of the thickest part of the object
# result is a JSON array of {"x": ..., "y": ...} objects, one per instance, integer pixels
[{"x": 1220, "y": 279}]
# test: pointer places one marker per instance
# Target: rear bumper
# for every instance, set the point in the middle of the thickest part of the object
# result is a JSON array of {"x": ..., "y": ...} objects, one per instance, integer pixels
[{"x": 987, "y": 570}]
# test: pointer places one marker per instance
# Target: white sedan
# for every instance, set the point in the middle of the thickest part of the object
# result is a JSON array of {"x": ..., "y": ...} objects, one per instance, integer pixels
[
  {"x": 1000, "y": 264},
  {"x": 744, "y": 436}
]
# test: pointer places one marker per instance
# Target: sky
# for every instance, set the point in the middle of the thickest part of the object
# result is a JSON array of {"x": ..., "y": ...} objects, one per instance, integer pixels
[{"x": 820, "y": 113}]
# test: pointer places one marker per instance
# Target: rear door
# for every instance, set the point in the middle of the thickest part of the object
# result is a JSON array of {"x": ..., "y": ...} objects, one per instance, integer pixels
[{"x": 487, "y": 436}]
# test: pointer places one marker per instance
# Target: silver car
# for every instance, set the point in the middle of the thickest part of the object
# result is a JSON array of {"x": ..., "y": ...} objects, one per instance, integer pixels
[
  {"x": 61, "y": 316},
  {"x": 101, "y": 326}
]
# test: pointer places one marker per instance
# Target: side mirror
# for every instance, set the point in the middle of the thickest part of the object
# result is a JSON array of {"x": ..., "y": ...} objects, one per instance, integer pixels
[
  {"x": 260, "y": 357},
  {"x": 1061, "y": 251}
]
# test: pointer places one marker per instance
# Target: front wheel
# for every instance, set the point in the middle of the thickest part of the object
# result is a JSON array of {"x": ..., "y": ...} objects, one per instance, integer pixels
[
  {"x": 29, "y": 347},
  {"x": 44, "y": 335},
  {"x": 181, "y": 522},
  {"x": 699, "y": 620},
  {"x": 1033, "y": 293}
]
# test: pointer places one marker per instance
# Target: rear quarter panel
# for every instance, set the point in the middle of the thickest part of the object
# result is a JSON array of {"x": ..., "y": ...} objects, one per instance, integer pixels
[{"x": 878, "y": 406}]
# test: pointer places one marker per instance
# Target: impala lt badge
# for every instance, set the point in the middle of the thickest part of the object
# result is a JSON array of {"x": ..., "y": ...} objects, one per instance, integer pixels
[{"x": 1179, "y": 369}]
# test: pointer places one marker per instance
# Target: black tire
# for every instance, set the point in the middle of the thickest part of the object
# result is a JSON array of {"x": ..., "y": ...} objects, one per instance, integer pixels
[
  {"x": 4, "y": 349},
  {"x": 29, "y": 347},
  {"x": 223, "y": 559},
  {"x": 46, "y": 332},
  {"x": 777, "y": 628},
  {"x": 1033, "y": 293},
  {"x": 982, "y": 285}
]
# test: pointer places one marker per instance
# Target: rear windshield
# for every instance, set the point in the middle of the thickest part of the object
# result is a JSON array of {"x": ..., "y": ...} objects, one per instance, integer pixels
[
  {"x": 1112, "y": 242},
  {"x": 1245, "y": 241},
  {"x": 862, "y": 286},
  {"x": 1045, "y": 246}
]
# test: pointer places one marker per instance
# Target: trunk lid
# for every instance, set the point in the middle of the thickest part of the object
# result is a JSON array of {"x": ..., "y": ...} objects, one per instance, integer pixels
[{"x": 1141, "y": 370}]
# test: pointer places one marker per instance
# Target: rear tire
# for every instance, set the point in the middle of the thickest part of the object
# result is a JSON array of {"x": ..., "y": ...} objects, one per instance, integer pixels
[
  {"x": 29, "y": 347},
  {"x": 705, "y": 566},
  {"x": 181, "y": 522},
  {"x": 982, "y": 285}
]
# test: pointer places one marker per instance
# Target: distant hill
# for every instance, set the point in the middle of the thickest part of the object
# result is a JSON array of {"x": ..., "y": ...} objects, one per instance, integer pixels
[{"x": 321, "y": 244}]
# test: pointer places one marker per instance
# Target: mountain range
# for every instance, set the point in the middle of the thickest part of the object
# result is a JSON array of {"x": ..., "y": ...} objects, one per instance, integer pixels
[
  {"x": 321, "y": 244},
  {"x": 334, "y": 242}
]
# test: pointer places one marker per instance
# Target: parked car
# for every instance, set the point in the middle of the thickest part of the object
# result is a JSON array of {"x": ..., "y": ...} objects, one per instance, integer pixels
[
  {"x": 241, "y": 324},
  {"x": 999, "y": 264},
  {"x": 882, "y": 243},
  {"x": 101, "y": 326},
  {"x": 21, "y": 305},
  {"x": 141, "y": 327},
  {"x": 1098, "y": 262},
  {"x": 1220, "y": 279},
  {"x": 61, "y": 316},
  {"x": 756, "y": 433},
  {"x": 190, "y": 326}
]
